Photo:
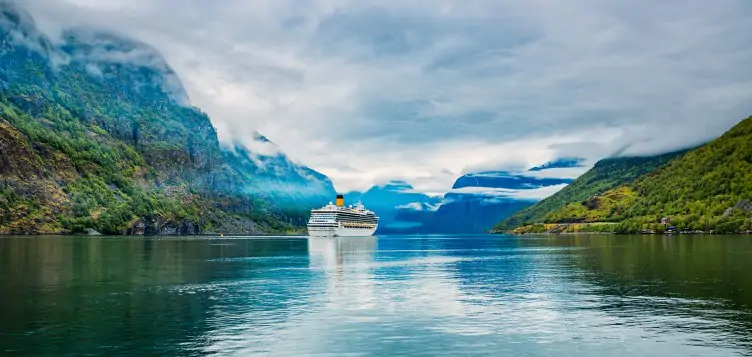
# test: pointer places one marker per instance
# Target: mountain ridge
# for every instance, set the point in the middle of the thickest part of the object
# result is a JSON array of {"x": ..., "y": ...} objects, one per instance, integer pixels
[
  {"x": 98, "y": 134},
  {"x": 707, "y": 188},
  {"x": 294, "y": 189},
  {"x": 463, "y": 209},
  {"x": 605, "y": 174}
]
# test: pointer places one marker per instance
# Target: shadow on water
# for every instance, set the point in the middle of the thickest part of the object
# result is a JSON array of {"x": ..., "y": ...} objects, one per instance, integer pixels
[{"x": 82, "y": 295}]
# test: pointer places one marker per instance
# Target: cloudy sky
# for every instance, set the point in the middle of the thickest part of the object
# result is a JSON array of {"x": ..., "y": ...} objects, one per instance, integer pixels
[{"x": 367, "y": 91}]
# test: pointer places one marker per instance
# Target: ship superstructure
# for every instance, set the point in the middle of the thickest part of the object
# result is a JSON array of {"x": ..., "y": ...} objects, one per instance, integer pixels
[{"x": 336, "y": 220}]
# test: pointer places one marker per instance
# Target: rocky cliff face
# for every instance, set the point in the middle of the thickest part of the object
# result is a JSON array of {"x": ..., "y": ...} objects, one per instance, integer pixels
[
  {"x": 97, "y": 132},
  {"x": 132, "y": 93}
]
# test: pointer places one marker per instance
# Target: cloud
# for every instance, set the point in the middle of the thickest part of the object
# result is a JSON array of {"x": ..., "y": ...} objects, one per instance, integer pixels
[
  {"x": 94, "y": 70},
  {"x": 563, "y": 173},
  {"x": 418, "y": 206},
  {"x": 415, "y": 89},
  {"x": 535, "y": 194},
  {"x": 262, "y": 146}
]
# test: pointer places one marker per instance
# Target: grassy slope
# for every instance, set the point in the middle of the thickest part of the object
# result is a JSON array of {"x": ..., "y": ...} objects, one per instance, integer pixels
[
  {"x": 605, "y": 175},
  {"x": 696, "y": 191}
]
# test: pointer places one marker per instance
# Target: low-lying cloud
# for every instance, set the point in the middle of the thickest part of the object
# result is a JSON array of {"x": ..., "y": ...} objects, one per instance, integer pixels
[
  {"x": 534, "y": 194},
  {"x": 416, "y": 89},
  {"x": 418, "y": 206}
]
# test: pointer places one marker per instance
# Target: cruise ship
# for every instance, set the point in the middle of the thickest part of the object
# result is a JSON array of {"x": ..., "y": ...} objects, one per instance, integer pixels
[{"x": 336, "y": 220}]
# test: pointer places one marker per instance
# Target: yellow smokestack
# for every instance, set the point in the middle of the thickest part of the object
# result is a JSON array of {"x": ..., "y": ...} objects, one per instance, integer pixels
[{"x": 340, "y": 200}]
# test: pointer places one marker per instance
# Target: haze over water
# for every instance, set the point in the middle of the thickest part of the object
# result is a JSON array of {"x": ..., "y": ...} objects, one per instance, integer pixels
[{"x": 389, "y": 295}]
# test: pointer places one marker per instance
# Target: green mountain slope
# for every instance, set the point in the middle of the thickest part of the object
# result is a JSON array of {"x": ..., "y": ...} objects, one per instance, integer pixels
[
  {"x": 96, "y": 132},
  {"x": 605, "y": 175},
  {"x": 293, "y": 188},
  {"x": 707, "y": 189}
]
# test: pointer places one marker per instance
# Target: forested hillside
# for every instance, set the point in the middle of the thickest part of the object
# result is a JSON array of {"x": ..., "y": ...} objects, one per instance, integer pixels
[
  {"x": 605, "y": 175},
  {"x": 97, "y": 132},
  {"x": 294, "y": 189},
  {"x": 706, "y": 189}
]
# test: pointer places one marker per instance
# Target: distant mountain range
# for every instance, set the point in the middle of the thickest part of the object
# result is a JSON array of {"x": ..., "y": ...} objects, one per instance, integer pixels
[
  {"x": 475, "y": 204},
  {"x": 97, "y": 132},
  {"x": 708, "y": 188},
  {"x": 400, "y": 208},
  {"x": 562, "y": 163},
  {"x": 479, "y": 200}
]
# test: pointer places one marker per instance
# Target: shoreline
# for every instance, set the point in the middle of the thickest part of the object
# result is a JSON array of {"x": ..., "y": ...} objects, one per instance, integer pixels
[
  {"x": 219, "y": 235},
  {"x": 613, "y": 228},
  {"x": 623, "y": 234}
]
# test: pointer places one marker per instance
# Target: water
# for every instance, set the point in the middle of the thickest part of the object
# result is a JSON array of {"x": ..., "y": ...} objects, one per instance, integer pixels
[{"x": 377, "y": 296}]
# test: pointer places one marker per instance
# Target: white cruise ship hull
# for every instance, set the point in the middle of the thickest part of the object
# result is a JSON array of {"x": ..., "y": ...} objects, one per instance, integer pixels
[{"x": 330, "y": 232}]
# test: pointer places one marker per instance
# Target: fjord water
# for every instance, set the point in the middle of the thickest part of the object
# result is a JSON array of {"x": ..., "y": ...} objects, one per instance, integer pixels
[{"x": 389, "y": 295}]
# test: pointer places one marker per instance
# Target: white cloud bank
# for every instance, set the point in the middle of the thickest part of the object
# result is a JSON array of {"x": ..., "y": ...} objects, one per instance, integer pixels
[
  {"x": 425, "y": 90},
  {"x": 417, "y": 206},
  {"x": 535, "y": 194}
]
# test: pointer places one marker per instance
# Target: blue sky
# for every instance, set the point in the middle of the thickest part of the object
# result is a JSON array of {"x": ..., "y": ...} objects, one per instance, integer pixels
[{"x": 367, "y": 91}]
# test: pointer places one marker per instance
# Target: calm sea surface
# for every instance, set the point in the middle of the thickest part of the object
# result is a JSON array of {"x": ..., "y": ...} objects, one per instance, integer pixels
[{"x": 377, "y": 296}]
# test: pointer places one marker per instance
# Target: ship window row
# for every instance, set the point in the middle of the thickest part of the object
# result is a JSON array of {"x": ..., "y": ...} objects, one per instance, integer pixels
[
  {"x": 344, "y": 216},
  {"x": 357, "y": 216},
  {"x": 341, "y": 214},
  {"x": 351, "y": 212},
  {"x": 359, "y": 220}
]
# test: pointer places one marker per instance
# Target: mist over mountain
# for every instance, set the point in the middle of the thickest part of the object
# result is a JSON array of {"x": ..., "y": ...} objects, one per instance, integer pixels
[
  {"x": 400, "y": 208},
  {"x": 708, "y": 189},
  {"x": 478, "y": 201},
  {"x": 475, "y": 204},
  {"x": 270, "y": 174},
  {"x": 98, "y": 133}
]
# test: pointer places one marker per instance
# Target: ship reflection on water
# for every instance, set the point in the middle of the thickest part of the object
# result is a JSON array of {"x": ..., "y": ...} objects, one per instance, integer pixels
[
  {"x": 345, "y": 266},
  {"x": 328, "y": 253}
]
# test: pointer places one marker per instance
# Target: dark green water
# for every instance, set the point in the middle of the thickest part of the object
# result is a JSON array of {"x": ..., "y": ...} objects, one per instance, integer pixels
[{"x": 377, "y": 296}]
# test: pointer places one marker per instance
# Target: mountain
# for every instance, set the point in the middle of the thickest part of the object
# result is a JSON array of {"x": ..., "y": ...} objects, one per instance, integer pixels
[
  {"x": 270, "y": 174},
  {"x": 475, "y": 204},
  {"x": 563, "y": 163},
  {"x": 708, "y": 189},
  {"x": 96, "y": 132},
  {"x": 605, "y": 175},
  {"x": 504, "y": 179},
  {"x": 473, "y": 213},
  {"x": 400, "y": 208},
  {"x": 353, "y": 196},
  {"x": 480, "y": 200}
]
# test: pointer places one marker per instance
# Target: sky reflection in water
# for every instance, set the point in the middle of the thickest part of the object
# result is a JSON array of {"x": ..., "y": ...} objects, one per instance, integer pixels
[{"x": 432, "y": 295}]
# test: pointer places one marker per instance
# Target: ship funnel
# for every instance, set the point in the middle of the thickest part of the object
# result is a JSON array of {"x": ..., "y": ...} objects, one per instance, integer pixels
[{"x": 340, "y": 200}]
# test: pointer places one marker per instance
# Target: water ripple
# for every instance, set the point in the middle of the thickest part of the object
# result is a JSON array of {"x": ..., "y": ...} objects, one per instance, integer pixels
[{"x": 417, "y": 296}]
